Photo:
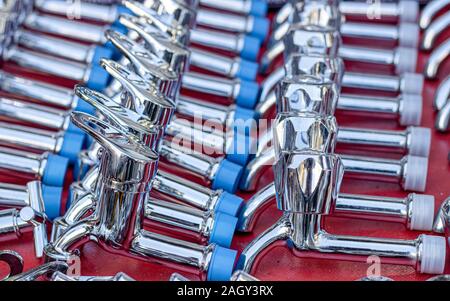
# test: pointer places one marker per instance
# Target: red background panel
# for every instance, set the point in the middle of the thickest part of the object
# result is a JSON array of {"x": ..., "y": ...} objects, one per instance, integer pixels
[{"x": 279, "y": 263}]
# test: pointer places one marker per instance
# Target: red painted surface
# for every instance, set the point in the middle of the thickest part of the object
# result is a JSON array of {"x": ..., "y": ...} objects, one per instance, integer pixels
[{"x": 279, "y": 263}]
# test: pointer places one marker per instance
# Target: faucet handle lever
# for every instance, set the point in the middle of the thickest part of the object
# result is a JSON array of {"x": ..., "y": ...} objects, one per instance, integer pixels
[
  {"x": 123, "y": 159},
  {"x": 141, "y": 97},
  {"x": 124, "y": 119}
]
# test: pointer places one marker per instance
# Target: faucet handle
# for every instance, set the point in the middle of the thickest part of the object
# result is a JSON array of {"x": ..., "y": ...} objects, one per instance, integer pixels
[
  {"x": 123, "y": 159},
  {"x": 121, "y": 117},
  {"x": 324, "y": 14},
  {"x": 158, "y": 22},
  {"x": 307, "y": 182},
  {"x": 442, "y": 219},
  {"x": 327, "y": 68},
  {"x": 140, "y": 96},
  {"x": 158, "y": 43},
  {"x": 307, "y": 93},
  {"x": 174, "y": 10},
  {"x": 147, "y": 65},
  {"x": 304, "y": 131},
  {"x": 310, "y": 39}
]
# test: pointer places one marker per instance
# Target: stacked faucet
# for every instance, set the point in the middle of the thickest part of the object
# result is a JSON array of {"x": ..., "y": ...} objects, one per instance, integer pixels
[
  {"x": 161, "y": 131},
  {"x": 307, "y": 172}
]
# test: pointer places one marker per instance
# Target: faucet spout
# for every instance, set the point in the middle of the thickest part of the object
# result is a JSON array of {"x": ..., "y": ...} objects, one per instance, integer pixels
[{"x": 280, "y": 231}]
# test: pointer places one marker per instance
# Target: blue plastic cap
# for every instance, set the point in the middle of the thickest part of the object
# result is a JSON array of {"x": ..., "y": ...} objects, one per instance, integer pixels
[
  {"x": 84, "y": 107},
  {"x": 247, "y": 70},
  {"x": 74, "y": 129},
  {"x": 116, "y": 52},
  {"x": 52, "y": 200},
  {"x": 123, "y": 10},
  {"x": 251, "y": 47},
  {"x": 227, "y": 176},
  {"x": 222, "y": 264},
  {"x": 98, "y": 79},
  {"x": 260, "y": 28},
  {"x": 243, "y": 115},
  {"x": 240, "y": 149},
  {"x": 55, "y": 170},
  {"x": 229, "y": 204},
  {"x": 223, "y": 229},
  {"x": 80, "y": 170},
  {"x": 259, "y": 8},
  {"x": 72, "y": 145},
  {"x": 248, "y": 94},
  {"x": 100, "y": 53}
]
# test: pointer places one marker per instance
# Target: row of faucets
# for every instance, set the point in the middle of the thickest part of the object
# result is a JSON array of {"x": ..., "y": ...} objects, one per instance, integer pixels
[{"x": 127, "y": 169}]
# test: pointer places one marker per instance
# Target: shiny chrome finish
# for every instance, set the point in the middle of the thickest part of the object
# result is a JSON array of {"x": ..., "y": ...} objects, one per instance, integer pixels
[
  {"x": 83, "y": 10},
  {"x": 442, "y": 94},
  {"x": 406, "y": 140},
  {"x": 23, "y": 163},
  {"x": 225, "y": 21},
  {"x": 408, "y": 210},
  {"x": 362, "y": 167},
  {"x": 59, "y": 276},
  {"x": 303, "y": 39},
  {"x": 214, "y": 141},
  {"x": 180, "y": 216},
  {"x": 439, "y": 278},
  {"x": 194, "y": 108},
  {"x": 126, "y": 170},
  {"x": 303, "y": 232},
  {"x": 42, "y": 270},
  {"x": 320, "y": 13},
  {"x": 143, "y": 65},
  {"x": 395, "y": 58},
  {"x": 13, "y": 260},
  {"x": 142, "y": 96},
  {"x": 44, "y": 92},
  {"x": 242, "y": 276},
  {"x": 434, "y": 30},
  {"x": 329, "y": 69},
  {"x": 66, "y": 28},
  {"x": 442, "y": 219},
  {"x": 306, "y": 93},
  {"x": 384, "y": 169},
  {"x": 48, "y": 64},
  {"x": 212, "y": 85},
  {"x": 55, "y": 46},
  {"x": 14, "y": 220},
  {"x": 381, "y": 82},
  {"x": 171, "y": 52},
  {"x": 114, "y": 186},
  {"x": 215, "y": 63},
  {"x": 186, "y": 191},
  {"x": 383, "y": 106},
  {"x": 204, "y": 166},
  {"x": 443, "y": 118},
  {"x": 436, "y": 58},
  {"x": 39, "y": 115},
  {"x": 30, "y": 138},
  {"x": 218, "y": 40},
  {"x": 235, "y": 6},
  {"x": 178, "y": 277},
  {"x": 176, "y": 188},
  {"x": 431, "y": 10},
  {"x": 122, "y": 118},
  {"x": 405, "y": 11}
]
